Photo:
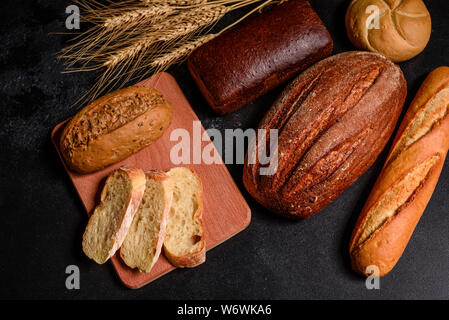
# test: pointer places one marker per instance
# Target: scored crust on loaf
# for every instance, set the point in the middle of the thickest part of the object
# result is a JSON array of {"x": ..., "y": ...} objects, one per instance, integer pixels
[
  {"x": 391, "y": 201},
  {"x": 397, "y": 196},
  {"x": 143, "y": 243},
  {"x": 184, "y": 244},
  {"x": 333, "y": 121},
  {"x": 111, "y": 219},
  {"x": 407, "y": 181}
]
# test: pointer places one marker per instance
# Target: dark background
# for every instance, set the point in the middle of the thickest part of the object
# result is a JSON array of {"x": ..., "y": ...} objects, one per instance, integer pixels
[{"x": 42, "y": 218}]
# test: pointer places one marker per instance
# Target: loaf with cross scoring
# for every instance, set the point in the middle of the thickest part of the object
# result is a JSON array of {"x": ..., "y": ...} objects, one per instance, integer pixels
[{"x": 407, "y": 180}]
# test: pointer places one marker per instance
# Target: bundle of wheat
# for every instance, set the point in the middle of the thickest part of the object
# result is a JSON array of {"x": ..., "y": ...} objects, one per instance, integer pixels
[{"x": 133, "y": 39}]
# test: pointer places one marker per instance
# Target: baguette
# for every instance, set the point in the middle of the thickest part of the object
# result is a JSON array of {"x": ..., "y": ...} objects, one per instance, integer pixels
[
  {"x": 407, "y": 180},
  {"x": 114, "y": 127},
  {"x": 333, "y": 121},
  {"x": 143, "y": 243},
  {"x": 111, "y": 219},
  {"x": 185, "y": 244}
]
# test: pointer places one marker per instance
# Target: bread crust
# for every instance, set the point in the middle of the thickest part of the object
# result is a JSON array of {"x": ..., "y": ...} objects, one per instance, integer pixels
[
  {"x": 386, "y": 244},
  {"x": 195, "y": 258},
  {"x": 164, "y": 179},
  {"x": 333, "y": 121},
  {"x": 137, "y": 180},
  {"x": 111, "y": 136}
]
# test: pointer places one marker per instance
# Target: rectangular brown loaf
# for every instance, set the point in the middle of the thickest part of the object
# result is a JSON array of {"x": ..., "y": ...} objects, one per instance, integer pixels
[
  {"x": 333, "y": 121},
  {"x": 407, "y": 180},
  {"x": 259, "y": 54},
  {"x": 114, "y": 127}
]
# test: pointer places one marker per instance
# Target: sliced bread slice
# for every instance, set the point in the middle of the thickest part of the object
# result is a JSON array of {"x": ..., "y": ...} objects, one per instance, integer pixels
[
  {"x": 111, "y": 219},
  {"x": 143, "y": 244},
  {"x": 184, "y": 244}
]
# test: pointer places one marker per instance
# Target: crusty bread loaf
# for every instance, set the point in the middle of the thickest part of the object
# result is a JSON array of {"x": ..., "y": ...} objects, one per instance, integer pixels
[
  {"x": 111, "y": 219},
  {"x": 185, "y": 244},
  {"x": 333, "y": 121},
  {"x": 403, "y": 29},
  {"x": 143, "y": 243},
  {"x": 407, "y": 180},
  {"x": 114, "y": 127}
]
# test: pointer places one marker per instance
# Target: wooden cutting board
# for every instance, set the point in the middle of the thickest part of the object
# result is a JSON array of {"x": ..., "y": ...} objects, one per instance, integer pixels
[{"x": 225, "y": 210}]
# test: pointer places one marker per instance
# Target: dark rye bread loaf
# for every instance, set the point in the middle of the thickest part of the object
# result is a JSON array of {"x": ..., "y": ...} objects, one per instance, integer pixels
[
  {"x": 333, "y": 121},
  {"x": 259, "y": 54}
]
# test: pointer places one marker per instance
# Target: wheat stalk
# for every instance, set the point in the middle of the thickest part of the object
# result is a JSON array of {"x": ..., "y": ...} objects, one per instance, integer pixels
[
  {"x": 180, "y": 52},
  {"x": 113, "y": 29},
  {"x": 181, "y": 25},
  {"x": 162, "y": 62},
  {"x": 129, "y": 19}
]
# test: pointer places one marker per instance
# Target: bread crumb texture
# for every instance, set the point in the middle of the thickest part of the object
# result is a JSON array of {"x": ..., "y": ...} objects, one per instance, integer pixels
[
  {"x": 430, "y": 114},
  {"x": 111, "y": 113},
  {"x": 184, "y": 234},
  {"x": 142, "y": 244},
  {"x": 100, "y": 235}
]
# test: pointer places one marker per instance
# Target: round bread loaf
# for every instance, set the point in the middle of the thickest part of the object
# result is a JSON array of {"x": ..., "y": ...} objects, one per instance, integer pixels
[{"x": 398, "y": 29}]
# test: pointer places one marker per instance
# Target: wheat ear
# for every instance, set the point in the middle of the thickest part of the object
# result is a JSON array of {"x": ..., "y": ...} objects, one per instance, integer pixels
[
  {"x": 180, "y": 3},
  {"x": 111, "y": 27},
  {"x": 188, "y": 22},
  {"x": 147, "y": 15},
  {"x": 180, "y": 52}
]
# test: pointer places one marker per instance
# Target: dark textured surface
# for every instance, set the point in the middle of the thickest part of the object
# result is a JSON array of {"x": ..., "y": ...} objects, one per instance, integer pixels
[
  {"x": 42, "y": 219},
  {"x": 259, "y": 55}
]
